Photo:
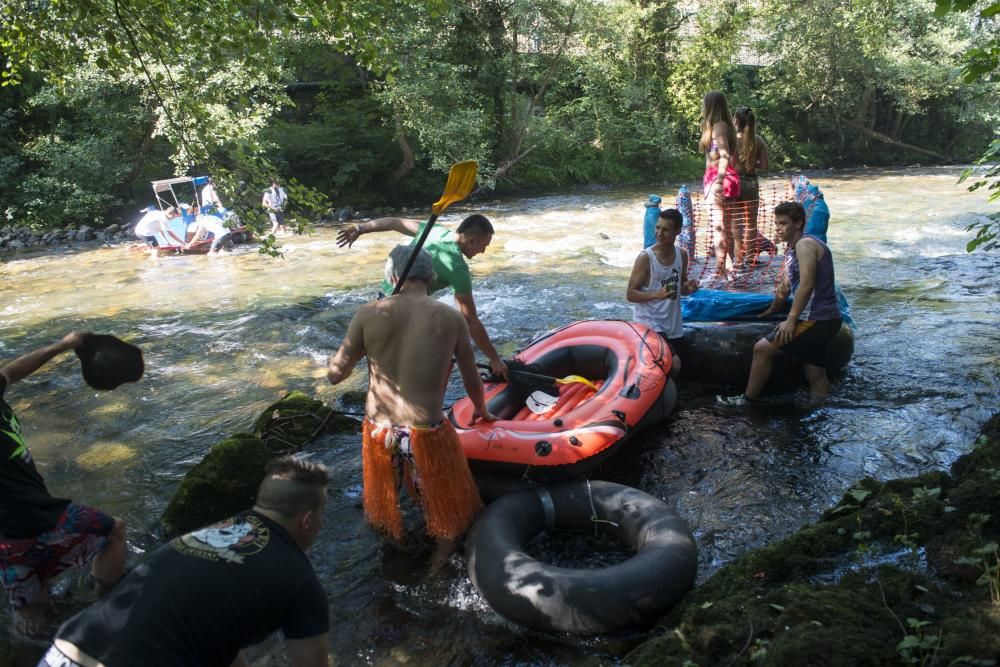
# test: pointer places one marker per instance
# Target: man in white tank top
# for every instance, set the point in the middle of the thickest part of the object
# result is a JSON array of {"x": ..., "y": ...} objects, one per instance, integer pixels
[{"x": 659, "y": 278}]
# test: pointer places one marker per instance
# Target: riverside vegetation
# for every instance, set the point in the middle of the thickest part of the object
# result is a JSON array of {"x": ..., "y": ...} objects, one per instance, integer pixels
[
  {"x": 901, "y": 572},
  {"x": 98, "y": 99}
]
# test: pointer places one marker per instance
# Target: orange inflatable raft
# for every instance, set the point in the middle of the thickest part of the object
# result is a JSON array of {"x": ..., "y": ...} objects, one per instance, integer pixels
[{"x": 626, "y": 367}]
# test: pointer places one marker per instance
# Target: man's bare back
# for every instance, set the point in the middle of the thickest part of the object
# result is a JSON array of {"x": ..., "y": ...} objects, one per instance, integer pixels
[{"x": 410, "y": 340}]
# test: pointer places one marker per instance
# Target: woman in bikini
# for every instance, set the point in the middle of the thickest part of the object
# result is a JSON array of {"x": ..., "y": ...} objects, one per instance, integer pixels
[
  {"x": 751, "y": 157},
  {"x": 722, "y": 183}
]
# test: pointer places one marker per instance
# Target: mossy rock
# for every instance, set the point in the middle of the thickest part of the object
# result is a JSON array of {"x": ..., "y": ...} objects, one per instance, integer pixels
[
  {"x": 772, "y": 607},
  {"x": 223, "y": 484},
  {"x": 286, "y": 426}
]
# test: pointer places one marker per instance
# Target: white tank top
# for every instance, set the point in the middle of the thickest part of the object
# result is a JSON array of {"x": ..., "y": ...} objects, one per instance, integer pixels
[{"x": 663, "y": 315}]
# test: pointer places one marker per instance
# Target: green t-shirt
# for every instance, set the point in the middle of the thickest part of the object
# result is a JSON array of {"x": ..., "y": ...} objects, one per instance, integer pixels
[{"x": 450, "y": 268}]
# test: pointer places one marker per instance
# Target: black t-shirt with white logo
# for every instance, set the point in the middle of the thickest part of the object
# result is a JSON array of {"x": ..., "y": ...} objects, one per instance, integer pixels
[
  {"x": 204, "y": 596},
  {"x": 26, "y": 506}
]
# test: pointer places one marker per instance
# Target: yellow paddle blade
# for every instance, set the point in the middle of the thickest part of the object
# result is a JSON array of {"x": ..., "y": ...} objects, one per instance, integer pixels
[
  {"x": 461, "y": 180},
  {"x": 570, "y": 379}
]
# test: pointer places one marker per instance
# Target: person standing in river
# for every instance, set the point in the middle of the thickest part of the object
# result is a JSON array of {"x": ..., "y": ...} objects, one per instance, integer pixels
[
  {"x": 659, "y": 279},
  {"x": 721, "y": 182},
  {"x": 274, "y": 200},
  {"x": 751, "y": 158},
  {"x": 814, "y": 318},
  {"x": 40, "y": 535},
  {"x": 448, "y": 250},
  {"x": 410, "y": 340},
  {"x": 205, "y": 596}
]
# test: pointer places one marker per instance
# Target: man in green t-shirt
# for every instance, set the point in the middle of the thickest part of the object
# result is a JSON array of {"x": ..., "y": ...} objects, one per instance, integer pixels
[{"x": 449, "y": 250}]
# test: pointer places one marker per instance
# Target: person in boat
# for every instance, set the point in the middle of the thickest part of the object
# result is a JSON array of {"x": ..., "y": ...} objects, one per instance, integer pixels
[
  {"x": 721, "y": 181},
  {"x": 659, "y": 278},
  {"x": 814, "y": 318},
  {"x": 203, "y": 597},
  {"x": 206, "y": 224},
  {"x": 275, "y": 199},
  {"x": 449, "y": 250},
  {"x": 41, "y": 535},
  {"x": 209, "y": 197},
  {"x": 410, "y": 340},
  {"x": 751, "y": 158},
  {"x": 154, "y": 223}
]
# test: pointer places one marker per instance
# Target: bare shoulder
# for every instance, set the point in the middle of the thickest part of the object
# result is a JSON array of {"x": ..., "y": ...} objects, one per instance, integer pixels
[{"x": 808, "y": 246}]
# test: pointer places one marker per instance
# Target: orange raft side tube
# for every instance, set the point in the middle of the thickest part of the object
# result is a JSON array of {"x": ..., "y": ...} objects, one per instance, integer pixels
[{"x": 628, "y": 362}]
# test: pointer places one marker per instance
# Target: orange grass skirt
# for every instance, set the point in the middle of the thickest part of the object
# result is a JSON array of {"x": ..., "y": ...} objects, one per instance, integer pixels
[{"x": 448, "y": 494}]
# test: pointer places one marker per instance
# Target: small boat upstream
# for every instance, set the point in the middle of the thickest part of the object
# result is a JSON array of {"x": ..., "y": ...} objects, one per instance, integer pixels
[{"x": 189, "y": 219}]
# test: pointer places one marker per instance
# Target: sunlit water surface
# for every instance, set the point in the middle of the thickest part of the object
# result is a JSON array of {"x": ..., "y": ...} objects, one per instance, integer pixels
[{"x": 224, "y": 337}]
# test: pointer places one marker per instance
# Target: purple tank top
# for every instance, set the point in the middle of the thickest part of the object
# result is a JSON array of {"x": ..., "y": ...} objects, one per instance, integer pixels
[{"x": 823, "y": 304}]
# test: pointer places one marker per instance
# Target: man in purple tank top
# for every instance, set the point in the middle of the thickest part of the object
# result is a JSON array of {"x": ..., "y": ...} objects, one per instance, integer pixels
[{"x": 814, "y": 318}]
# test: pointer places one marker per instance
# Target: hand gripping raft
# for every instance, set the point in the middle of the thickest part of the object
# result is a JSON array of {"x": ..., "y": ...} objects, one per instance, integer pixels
[{"x": 581, "y": 601}]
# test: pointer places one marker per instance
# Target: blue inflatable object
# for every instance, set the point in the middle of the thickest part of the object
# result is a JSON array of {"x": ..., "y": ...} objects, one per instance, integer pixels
[
  {"x": 817, "y": 213},
  {"x": 649, "y": 222},
  {"x": 708, "y": 305},
  {"x": 686, "y": 208}
]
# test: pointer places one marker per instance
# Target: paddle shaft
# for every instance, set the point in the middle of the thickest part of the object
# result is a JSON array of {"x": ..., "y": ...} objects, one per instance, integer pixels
[
  {"x": 535, "y": 376},
  {"x": 413, "y": 255}
]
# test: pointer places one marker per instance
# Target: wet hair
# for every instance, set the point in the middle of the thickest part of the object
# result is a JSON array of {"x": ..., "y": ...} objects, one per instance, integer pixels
[
  {"x": 791, "y": 209},
  {"x": 422, "y": 269},
  {"x": 476, "y": 225},
  {"x": 673, "y": 214},
  {"x": 714, "y": 110},
  {"x": 746, "y": 146},
  {"x": 292, "y": 486}
]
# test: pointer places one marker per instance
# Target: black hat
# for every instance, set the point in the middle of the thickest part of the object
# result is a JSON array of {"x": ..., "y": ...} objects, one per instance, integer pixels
[{"x": 108, "y": 362}]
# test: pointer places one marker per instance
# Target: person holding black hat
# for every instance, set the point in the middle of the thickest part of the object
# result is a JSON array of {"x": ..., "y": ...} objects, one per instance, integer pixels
[{"x": 41, "y": 535}]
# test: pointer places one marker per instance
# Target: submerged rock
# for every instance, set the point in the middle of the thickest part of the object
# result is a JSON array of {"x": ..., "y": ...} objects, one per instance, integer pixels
[
  {"x": 226, "y": 480},
  {"x": 294, "y": 420},
  {"x": 900, "y": 572},
  {"x": 224, "y": 483}
]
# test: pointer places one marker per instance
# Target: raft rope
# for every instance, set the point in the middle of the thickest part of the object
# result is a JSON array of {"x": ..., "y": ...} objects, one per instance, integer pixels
[{"x": 594, "y": 519}]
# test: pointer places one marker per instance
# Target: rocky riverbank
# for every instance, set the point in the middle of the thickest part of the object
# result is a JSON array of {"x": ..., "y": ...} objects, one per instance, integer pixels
[
  {"x": 20, "y": 238},
  {"x": 897, "y": 573}
]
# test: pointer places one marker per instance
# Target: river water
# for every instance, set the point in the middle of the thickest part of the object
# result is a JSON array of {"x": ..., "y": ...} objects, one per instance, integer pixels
[{"x": 224, "y": 337}]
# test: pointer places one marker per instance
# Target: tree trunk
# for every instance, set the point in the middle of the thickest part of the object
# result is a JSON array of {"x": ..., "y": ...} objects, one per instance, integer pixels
[
  {"x": 406, "y": 166},
  {"x": 140, "y": 155},
  {"x": 889, "y": 140}
]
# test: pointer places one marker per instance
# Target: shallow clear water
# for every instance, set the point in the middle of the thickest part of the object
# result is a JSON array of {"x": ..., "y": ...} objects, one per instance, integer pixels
[{"x": 224, "y": 337}]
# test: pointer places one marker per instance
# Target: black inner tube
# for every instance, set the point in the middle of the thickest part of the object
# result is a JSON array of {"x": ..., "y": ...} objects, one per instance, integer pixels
[{"x": 577, "y": 600}]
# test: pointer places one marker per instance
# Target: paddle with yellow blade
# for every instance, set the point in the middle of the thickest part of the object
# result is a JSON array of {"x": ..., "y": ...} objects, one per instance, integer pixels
[
  {"x": 539, "y": 401},
  {"x": 461, "y": 180}
]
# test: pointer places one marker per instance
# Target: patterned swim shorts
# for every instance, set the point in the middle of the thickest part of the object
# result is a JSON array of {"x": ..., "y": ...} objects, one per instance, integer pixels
[{"x": 28, "y": 564}]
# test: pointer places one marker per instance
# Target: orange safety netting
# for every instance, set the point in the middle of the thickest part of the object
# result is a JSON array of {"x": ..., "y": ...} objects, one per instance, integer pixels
[{"x": 758, "y": 265}]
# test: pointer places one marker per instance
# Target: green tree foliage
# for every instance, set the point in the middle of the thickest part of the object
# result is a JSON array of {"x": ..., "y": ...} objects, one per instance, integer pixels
[
  {"x": 982, "y": 63},
  {"x": 211, "y": 74},
  {"x": 369, "y": 102}
]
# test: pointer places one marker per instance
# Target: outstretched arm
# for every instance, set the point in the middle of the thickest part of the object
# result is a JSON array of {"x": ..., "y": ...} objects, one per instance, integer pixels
[
  {"x": 351, "y": 350},
  {"x": 470, "y": 376},
  {"x": 348, "y": 236},
  {"x": 27, "y": 364},
  {"x": 467, "y": 306}
]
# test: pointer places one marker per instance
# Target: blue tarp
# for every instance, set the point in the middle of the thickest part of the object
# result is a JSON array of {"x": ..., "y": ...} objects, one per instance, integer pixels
[{"x": 709, "y": 305}]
